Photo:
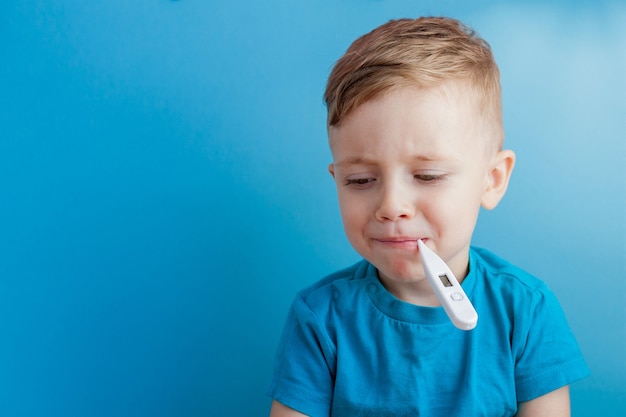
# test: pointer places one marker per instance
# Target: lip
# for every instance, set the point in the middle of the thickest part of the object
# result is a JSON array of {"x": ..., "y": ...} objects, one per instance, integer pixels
[{"x": 400, "y": 242}]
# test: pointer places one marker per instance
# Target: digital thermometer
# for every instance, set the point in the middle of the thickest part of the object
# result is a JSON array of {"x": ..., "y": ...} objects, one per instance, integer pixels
[{"x": 447, "y": 289}]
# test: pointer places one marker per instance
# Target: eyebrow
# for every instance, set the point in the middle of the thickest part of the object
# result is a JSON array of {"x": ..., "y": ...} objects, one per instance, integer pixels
[{"x": 360, "y": 160}]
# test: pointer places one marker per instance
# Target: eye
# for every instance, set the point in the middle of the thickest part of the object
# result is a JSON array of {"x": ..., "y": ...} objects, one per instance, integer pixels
[
  {"x": 359, "y": 183},
  {"x": 430, "y": 178}
]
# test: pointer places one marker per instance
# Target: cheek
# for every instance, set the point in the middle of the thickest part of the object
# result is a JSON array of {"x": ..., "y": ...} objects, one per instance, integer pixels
[
  {"x": 353, "y": 215},
  {"x": 454, "y": 213}
]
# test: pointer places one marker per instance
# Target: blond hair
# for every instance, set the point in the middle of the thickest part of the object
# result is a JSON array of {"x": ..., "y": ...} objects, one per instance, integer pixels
[{"x": 423, "y": 52}]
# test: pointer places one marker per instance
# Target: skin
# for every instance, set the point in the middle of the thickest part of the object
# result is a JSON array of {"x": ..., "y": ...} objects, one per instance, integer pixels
[
  {"x": 413, "y": 164},
  {"x": 418, "y": 164}
]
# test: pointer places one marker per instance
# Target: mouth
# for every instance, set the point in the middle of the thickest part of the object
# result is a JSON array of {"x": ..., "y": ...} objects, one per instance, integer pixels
[{"x": 400, "y": 242}]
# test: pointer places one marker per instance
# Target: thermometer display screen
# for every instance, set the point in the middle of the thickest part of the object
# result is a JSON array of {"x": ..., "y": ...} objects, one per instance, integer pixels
[{"x": 445, "y": 281}]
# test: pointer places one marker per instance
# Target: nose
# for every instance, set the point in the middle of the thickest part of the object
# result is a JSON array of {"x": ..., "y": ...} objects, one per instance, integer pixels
[{"x": 394, "y": 204}]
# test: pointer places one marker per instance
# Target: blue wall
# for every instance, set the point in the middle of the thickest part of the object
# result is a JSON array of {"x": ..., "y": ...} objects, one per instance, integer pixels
[{"x": 163, "y": 190}]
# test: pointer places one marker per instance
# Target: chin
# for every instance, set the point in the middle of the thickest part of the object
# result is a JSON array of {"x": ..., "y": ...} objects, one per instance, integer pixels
[{"x": 402, "y": 272}]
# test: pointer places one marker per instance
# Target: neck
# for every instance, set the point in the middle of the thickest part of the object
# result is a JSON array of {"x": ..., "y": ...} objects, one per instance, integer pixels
[{"x": 417, "y": 292}]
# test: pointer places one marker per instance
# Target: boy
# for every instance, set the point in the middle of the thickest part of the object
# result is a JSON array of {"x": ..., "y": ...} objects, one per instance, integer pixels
[{"x": 415, "y": 131}]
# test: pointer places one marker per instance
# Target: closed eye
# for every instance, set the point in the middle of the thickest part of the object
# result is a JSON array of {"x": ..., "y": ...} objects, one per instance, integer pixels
[
  {"x": 430, "y": 178},
  {"x": 359, "y": 183}
]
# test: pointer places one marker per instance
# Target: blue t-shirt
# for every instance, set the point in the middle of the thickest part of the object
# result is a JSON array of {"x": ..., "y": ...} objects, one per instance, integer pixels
[{"x": 350, "y": 348}]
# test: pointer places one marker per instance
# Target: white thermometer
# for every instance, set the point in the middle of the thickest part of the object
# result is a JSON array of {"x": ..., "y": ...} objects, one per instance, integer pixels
[{"x": 447, "y": 289}]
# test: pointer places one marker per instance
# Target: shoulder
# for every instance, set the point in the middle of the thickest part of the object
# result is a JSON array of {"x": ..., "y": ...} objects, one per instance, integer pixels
[
  {"x": 504, "y": 288},
  {"x": 337, "y": 291},
  {"x": 544, "y": 349},
  {"x": 499, "y": 271}
]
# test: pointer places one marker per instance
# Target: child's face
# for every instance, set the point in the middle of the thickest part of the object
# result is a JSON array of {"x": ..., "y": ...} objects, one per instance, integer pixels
[{"x": 411, "y": 165}]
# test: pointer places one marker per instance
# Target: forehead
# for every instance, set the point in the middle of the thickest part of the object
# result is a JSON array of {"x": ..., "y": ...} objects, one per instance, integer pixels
[{"x": 416, "y": 121}]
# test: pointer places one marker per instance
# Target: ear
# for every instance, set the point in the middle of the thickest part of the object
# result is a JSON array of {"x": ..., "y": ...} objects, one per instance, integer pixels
[
  {"x": 497, "y": 179},
  {"x": 331, "y": 169}
]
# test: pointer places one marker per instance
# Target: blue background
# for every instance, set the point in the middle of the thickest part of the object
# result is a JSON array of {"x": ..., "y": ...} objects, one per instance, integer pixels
[{"x": 164, "y": 194}]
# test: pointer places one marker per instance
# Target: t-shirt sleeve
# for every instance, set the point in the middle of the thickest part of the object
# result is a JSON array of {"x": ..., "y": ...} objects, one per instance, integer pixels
[
  {"x": 549, "y": 356},
  {"x": 304, "y": 365}
]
